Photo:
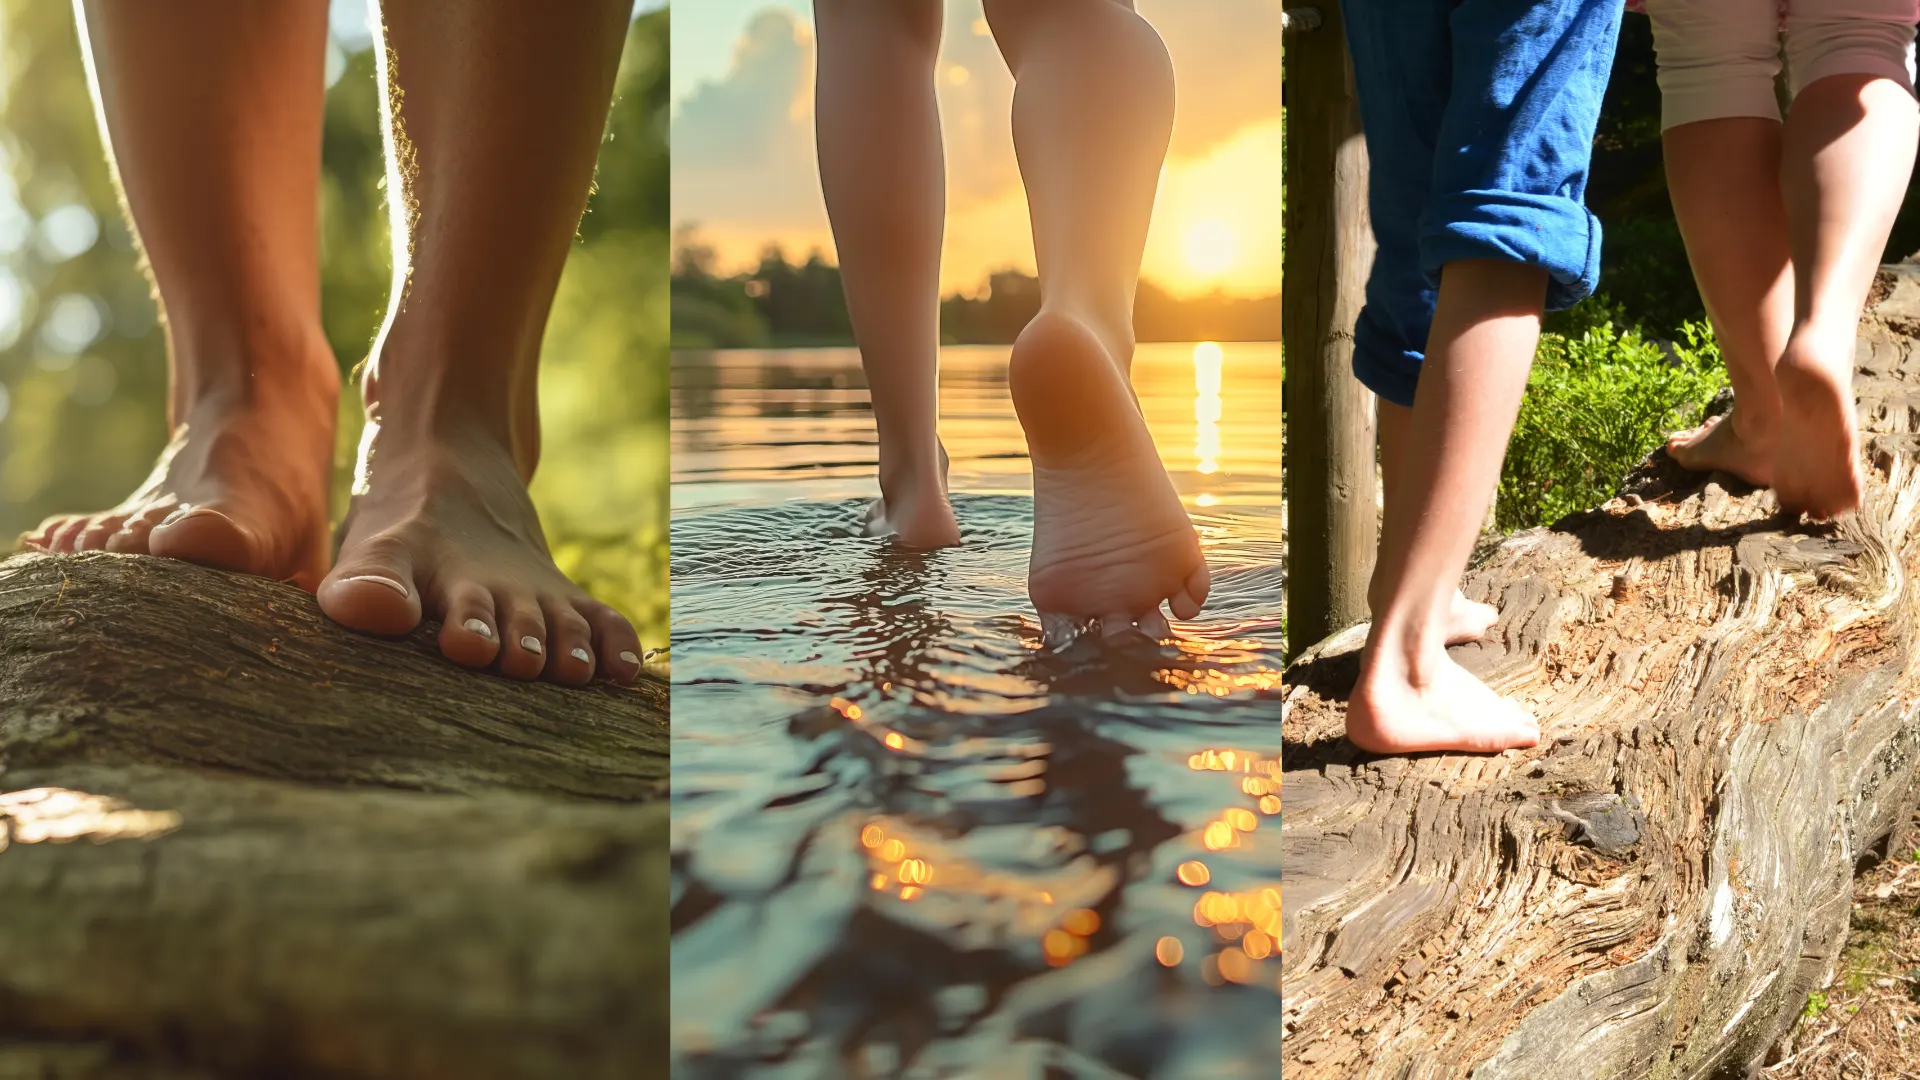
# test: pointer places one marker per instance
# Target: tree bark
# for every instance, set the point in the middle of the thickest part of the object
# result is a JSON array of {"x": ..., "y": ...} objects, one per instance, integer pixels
[
  {"x": 236, "y": 840},
  {"x": 1731, "y": 709}
]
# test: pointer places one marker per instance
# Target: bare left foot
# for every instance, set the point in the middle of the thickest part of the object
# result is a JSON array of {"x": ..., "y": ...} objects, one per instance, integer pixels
[
  {"x": 441, "y": 527},
  {"x": 1733, "y": 444}
]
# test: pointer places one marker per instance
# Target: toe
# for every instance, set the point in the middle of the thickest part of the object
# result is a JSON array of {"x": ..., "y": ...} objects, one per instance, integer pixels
[
  {"x": 570, "y": 640},
  {"x": 1154, "y": 625},
  {"x": 67, "y": 534},
  {"x": 1116, "y": 626},
  {"x": 372, "y": 590},
  {"x": 205, "y": 535},
  {"x": 614, "y": 641},
  {"x": 134, "y": 536},
  {"x": 523, "y": 634},
  {"x": 469, "y": 635},
  {"x": 98, "y": 531}
]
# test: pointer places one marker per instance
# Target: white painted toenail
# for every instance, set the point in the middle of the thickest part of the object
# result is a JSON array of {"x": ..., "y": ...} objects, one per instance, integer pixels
[
  {"x": 479, "y": 627},
  {"x": 531, "y": 644},
  {"x": 581, "y": 655},
  {"x": 388, "y": 582},
  {"x": 630, "y": 658}
]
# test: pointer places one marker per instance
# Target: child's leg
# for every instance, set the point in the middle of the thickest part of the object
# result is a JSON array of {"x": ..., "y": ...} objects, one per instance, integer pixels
[
  {"x": 1466, "y": 620},
  {"x": 881, "y": 171},
  {"x": 1718, "y": 60},
  {"x": 494, "y": 115},
  {"x": 1411, "y": 696},
  {"x": 1092, "y": 112},
  {"x": 212, "y": 111},
  {"x": 1849, "y": 150}
]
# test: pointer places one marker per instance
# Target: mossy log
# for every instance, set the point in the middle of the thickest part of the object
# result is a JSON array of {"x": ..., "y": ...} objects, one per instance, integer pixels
[
  {"x": 238, "y": 841},
  {"x": 1729, "y": 707}
]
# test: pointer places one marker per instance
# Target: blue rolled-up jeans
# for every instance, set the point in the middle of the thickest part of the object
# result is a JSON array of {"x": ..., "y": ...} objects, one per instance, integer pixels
[{"x": 1479, "y": 119}]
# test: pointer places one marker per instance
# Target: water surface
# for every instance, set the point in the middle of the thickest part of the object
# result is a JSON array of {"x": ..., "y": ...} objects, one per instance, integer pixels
[{"x": 908, "y": 840}]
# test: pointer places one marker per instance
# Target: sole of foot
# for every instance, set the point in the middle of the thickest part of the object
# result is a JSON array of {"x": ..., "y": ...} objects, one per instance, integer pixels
[
  {"x": 445, "y": 530},
  {"x": 1452, "y": 712},
  {"x": 1111, "y": 541},
  {"x": 916, "y": 515},
  {"x": 1816, "y": 465},
  {"x": 1719, "y": 446},
  {"x": 243, "y": 486}
]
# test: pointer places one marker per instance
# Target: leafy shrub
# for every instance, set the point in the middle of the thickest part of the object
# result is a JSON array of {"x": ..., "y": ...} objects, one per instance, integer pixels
[{"x": 1598, "y": 400}]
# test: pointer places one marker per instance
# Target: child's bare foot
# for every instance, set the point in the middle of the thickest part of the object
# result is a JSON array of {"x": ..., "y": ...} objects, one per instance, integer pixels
[
  {"x": 1816, "y": 465},
  {"x": 1469, "y": 620},
  {"x": 1392, "y": 712},
  {"x": 441, "y": 527},
  {"x": 915, "y": 511},
  {"x": 1110, "y": 538},
  {"x": 243, "y": 484},
  {"x": 1734, "y": 443}
]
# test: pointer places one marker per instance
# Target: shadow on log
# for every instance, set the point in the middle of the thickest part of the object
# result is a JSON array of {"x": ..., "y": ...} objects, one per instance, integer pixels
[
  {"x": 238, "y": 841},
  {"x": 1728, "y": 702}
]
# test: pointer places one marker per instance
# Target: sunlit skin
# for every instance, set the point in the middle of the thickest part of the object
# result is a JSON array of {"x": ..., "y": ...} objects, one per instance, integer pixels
[
  {"x": 213, "y": 114},
  {"x": 1092, "y": 113},
  {"x": 1785, "y": 225}
]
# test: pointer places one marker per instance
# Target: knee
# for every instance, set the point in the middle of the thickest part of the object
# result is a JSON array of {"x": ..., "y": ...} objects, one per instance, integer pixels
[{"x": 910, "y": 25}]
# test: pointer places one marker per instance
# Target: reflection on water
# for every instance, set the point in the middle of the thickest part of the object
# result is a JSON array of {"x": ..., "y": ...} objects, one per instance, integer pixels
[{"x": 907, "y": 839}]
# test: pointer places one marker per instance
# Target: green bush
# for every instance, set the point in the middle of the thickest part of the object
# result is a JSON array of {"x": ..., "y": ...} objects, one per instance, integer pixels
[{"x": 1598, "y": 400}]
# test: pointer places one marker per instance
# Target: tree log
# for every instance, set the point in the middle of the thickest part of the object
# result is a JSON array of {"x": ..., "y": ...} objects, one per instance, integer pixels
[
  {"x": 1728, "y": 701},
  {"x": 236, "y": 840}
]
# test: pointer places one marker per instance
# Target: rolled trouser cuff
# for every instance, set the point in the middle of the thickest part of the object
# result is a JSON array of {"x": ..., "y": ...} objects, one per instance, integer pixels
[{"x": 1553, "y": 232}]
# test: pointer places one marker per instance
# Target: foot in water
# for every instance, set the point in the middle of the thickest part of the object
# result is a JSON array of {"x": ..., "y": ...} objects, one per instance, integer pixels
[
  {"x": 1111, "y": 541},
  {"x": 1391, "y": 712},
  {"x": 1733, "y": 443},
  {"x": 242, "y": 485},
  {"x": 915, "y": 511},
  {"x": 1816, "y": 466},
  {"x": 441, "y": 527}
]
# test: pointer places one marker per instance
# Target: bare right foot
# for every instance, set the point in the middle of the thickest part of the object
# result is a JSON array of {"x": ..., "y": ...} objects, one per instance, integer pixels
[
  {"x": 243, "y": 484},
  {"x": 1732, "y": 444},
  {"x": 1816, "y": 466},
  {"x": 1392, "y": 712},
  {"x": 915, "y": 512},
  {"x": 1469, "y": 620},
  {"x": 1111, "y": 541}
]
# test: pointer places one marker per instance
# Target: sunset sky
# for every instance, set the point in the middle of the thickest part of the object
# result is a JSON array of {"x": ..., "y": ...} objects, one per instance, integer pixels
[{"x": 744, "y": 168}]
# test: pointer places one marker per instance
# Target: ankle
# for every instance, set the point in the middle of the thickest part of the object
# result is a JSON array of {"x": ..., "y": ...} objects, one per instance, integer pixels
[{"x": 226, "y": 371}]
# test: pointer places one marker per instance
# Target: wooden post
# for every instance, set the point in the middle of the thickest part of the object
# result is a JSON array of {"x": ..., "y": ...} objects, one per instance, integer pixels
[{"x": 1332, "y": 508}]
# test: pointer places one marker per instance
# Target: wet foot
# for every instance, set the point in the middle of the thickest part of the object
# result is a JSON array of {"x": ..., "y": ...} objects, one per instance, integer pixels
[
  {"x": 242, "y": 485},
  {"x": 1728, "y": 444},
  {"x": 1816, "y": 465},
  {"x": 442, "y": 528},
  {"x": 1390, "y": 713},
  {"x": 1111, "y": 541},
  {"x": 915, "y": 512}
]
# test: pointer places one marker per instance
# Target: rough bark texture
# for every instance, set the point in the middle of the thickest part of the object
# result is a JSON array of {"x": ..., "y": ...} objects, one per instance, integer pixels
[
  {"x": 237, "y": 841},
  {"x": 1729, "y": 708}
]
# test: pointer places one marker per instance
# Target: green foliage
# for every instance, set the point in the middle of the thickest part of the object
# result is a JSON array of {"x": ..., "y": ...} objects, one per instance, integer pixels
[
  {"x": 1598, "y": 400},
  {"x": 1816, "y": 1004}
]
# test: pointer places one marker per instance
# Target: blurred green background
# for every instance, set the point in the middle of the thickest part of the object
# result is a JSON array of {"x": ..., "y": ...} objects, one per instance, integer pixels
[{"x": 83, "y": 364}]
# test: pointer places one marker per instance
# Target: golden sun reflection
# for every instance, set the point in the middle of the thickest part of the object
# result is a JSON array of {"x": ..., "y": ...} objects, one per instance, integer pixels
[
  {"x": 1247, "y": 923},
  {"x": 59, "y": 815},
  {"x": 1208, "y": 360}
]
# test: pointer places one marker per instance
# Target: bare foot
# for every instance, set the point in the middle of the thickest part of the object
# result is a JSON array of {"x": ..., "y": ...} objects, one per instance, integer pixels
[
  {"x": 1110, "y": 538},
  {"x": 1392, "y": 713},
  {"x": 1816, "y": 466},
  {"x": 242, "y": 485},
  {"x": 441, "y": 527},
  {"x": 916, "y": 512},
  {"x": 1731, "y": 444},
  {"x": 1469, "y": 620}
]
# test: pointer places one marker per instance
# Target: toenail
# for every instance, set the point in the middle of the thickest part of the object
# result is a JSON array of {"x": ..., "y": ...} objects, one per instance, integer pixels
[
  {"x": 630, "y": 658},
  {"x": 582, "y": 655},
  {"x": 388, "y": 582},
  {"x": 479, "y": 627},
  {"x": 531, "y": 644}
]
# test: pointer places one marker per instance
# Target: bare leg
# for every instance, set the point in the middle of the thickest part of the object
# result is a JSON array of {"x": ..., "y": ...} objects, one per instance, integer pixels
[
  {"x": 1092, "y": 112},
  {"x": 494, "y": 114},
  {"x": 1849, "y": 151},
  {"x": 212, "y": 111},
  {"x": 1723, "y": 175},
  {"x": 1411, "y": 696},
  {"x": 1467, "y": 620},
  {"x": 882, "y": 173}
]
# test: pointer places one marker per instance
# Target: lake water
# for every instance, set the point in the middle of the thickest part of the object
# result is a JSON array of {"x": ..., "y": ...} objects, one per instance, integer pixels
[{"x": 908, "y": 839}]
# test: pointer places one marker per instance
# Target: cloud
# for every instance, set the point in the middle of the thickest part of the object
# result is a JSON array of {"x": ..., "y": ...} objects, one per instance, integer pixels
[{"x": 1226, "y": 64}]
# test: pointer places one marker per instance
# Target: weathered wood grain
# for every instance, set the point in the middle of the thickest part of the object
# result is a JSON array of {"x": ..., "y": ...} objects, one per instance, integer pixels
[
  {"x": 1729, "y": 703},
  {"x": 236, "y": 840}
]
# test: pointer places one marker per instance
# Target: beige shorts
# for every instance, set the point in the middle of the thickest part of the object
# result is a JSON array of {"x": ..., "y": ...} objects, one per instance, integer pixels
[{"x": 1720, "y": 58}]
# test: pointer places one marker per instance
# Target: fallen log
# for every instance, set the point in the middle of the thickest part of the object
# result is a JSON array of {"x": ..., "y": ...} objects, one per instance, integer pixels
[
  {"x": 1729, "y": 708},
  {"x": 238, "y": 841}
]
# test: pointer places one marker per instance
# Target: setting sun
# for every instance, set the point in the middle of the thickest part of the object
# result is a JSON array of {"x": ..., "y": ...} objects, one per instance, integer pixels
[{"x": 1210, "y": 247}]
